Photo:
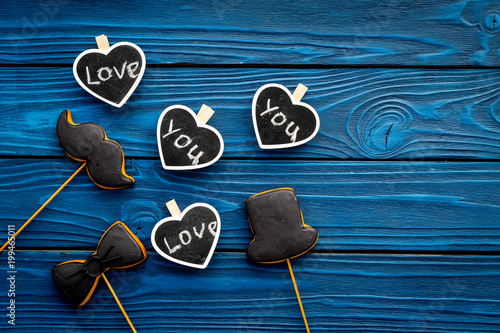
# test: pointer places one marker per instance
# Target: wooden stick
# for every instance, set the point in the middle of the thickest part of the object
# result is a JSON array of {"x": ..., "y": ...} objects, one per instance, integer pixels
[
  {"x": 173, "y": 208},
  {"x": 299, "y": 92},
  {"x": 102, "y": 42},
  {"x": 298, "y": 295},
  {"x": 205, "y": 113},
  {"x": 118, "y": 302},
  {"x": 42, "y": 207}
]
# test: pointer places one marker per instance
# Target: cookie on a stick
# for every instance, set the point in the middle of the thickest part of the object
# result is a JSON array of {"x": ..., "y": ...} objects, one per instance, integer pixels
[
  {"x": 88, "y": 143},
  {"x": 280, "y": 233}
]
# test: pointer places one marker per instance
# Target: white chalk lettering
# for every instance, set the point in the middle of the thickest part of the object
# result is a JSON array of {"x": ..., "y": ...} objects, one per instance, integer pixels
[
  {"x": 276, "y": 116},
  {"x": 187, "y": 234},
  {"x": 200, "y": 234},
  {"x": 185, "y": 237},
  {"x": 106, "y": 73},
  {"x": 170, "y": 129},
  {"x": 88, "y": 77},
  {"x": 292, "y": 135},
  {"x": 109, "y": 75},
  {"x": 280, "y": 119},
  {"x": 212, "y": 228},
  {"x": 196, "y": 159},
  {"x": 269, "y": 108},
  {"x": 171, "y": 250},
  {"x": 183, "y": 141},
  {"x": 185, "y": 144},
  {"x": 131, "y": 68},
  {"x": 120, "y": 75}
]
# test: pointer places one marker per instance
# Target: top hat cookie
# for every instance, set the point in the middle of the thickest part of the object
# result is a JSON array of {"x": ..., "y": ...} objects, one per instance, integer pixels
[{"x": 278, "y": 227}]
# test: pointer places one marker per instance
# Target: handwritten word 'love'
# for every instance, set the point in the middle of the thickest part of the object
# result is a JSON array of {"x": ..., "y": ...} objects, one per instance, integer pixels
[
  {"x": 106, "y": 73},
  {"x": 185, "y": 236}
]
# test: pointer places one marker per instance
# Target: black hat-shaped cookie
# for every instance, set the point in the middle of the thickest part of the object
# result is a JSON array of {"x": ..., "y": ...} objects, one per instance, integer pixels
[{"x": 278, "y": 227}]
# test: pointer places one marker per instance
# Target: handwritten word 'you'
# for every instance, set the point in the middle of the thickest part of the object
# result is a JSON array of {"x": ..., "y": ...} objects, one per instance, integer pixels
[
  {"x": 280, "y": 119},
  {"x": 185, "y": 236},
  {"x": 106, "y": 73},
  {"x": 183, "y": 141}
]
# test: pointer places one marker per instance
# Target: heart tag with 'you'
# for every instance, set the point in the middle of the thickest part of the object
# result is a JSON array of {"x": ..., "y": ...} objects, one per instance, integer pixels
[
  {"x": 110, "y": 73},
  {"x": 279, "y": 118},
  {"x": 184, "y": 141},
  {"x": 188, "y": 238}
]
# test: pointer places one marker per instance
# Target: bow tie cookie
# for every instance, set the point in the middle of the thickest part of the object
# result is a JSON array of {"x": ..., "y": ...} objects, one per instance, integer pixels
[{"x": 118, "y": 248}]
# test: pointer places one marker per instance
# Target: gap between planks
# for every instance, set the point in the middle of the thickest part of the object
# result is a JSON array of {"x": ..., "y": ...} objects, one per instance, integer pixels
[
  {"x": 292, "y": 159},
  {"x": 270, "y": 66},
  {"x": 312, "y": 252}
]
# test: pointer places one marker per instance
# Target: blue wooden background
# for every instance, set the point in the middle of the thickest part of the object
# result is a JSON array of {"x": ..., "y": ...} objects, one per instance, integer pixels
[{"x": 402, "y": 180}]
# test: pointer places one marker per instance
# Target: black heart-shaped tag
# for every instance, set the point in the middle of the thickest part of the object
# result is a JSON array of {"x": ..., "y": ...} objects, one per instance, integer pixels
[
  {"x": 188, "y": 239},
  {"x": 111, "y": 75},
  {"x": 280, "y": 121},
  {"x": 184, "y": 142}
]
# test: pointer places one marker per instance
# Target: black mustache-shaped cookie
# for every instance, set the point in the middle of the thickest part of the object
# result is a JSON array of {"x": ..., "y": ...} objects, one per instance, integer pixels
[
  {"x": 188, "y": 239},
  {"x": 88, "y": 143},
  {"x": 184, "y": 142},
  {"x": 111, "y": 75},
  {"x": 280, "y": 121},
  {"x": 277, "y": 224}
]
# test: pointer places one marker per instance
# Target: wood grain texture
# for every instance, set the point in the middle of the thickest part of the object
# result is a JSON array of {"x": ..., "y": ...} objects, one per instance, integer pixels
[
  {"x": 365, "y": 113},
  {"x": 354, "y": 205},
  {"x": 339, "y": 292},
  {"x": 219, "y": 52},
  {"x": 398, "y": 32}
]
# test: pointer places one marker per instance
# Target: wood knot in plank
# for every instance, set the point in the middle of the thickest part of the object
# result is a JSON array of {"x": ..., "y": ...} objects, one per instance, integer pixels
[
  {"x": 140, "y": 216},
  {"x": 491, "y": 22},
  {"x": 378, "y": 126}
]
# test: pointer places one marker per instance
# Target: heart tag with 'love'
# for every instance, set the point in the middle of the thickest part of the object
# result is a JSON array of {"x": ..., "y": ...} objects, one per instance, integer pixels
[
  {"x": 184, "y": 141},
  {"x": 280, "y": 120},
  {"x": 188, "y": 238},
  {"x": 110, "y": 73}
]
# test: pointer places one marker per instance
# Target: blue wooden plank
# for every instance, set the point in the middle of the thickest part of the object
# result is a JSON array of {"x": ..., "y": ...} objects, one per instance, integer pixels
[
  {"x": 366, "y": 32},
  {"x": 355, "y": 293},
  {"x": 365, "y": 113},
  {"x": 419, "y": 206}
]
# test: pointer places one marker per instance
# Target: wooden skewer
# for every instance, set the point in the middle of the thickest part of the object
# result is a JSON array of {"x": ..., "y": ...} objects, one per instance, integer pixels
[
  {"x": 298, "y": 295},
  {"x": 119, "y": 304},
  {"x": 42, "y": 207}
]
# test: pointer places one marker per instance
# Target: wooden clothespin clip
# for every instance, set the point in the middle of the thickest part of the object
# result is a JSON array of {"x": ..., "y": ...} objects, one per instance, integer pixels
[
  {"x": 173, "y": 208},
  {"x": 205, "y": 114},
  {"x": 102, "y": 42},
  {"x": 299, "y": 92}
]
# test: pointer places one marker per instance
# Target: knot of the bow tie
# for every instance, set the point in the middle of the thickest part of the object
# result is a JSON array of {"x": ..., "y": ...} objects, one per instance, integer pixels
[
  {"x": 118, "y": 248},
  {"x": 95, "y": 265}
]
